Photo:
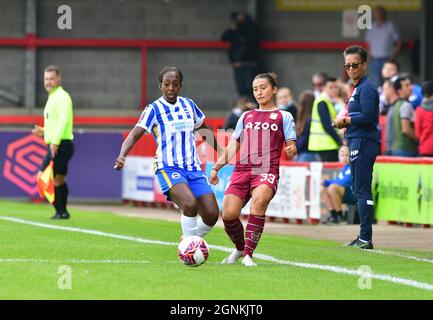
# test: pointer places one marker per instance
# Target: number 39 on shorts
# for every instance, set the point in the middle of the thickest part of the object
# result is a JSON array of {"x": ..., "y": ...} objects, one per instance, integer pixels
[{"x": 268, "y": 177}]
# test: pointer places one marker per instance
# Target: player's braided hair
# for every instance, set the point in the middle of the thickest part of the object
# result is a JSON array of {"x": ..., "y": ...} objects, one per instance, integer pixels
[
  {"x": 270, "y": 76},
  {"x": 170, "y": 69}
]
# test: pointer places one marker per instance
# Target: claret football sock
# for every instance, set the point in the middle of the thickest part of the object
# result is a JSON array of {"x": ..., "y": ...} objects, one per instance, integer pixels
[
  {"x": 253, "y": 233},
  {"x": 235, "y": 231}
]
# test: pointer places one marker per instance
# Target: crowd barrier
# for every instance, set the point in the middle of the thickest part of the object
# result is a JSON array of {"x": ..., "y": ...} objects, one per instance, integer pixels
[{"x": 403, "y": 190}]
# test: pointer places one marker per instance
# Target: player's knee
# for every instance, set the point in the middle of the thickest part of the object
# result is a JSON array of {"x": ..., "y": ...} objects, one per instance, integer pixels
[
  {"x": 333, "y": 188},
  {"x": 209, "y": 214},
  {"x": 212, "y": 217},
  {"x": 259, "y": 206},
  {"x": 213, "y": 214},
  {"x": 189, "y": 207},
  {"x": 230, "y": 215}
]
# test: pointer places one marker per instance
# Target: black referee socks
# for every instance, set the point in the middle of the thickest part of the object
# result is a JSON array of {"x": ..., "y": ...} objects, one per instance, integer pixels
[
  {"x": 65, "y": 193},
  {"x": 61, "y": 198}
]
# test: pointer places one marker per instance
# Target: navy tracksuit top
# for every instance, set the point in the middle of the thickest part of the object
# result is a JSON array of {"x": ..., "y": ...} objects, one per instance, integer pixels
[{"x": 365, "y": 116}]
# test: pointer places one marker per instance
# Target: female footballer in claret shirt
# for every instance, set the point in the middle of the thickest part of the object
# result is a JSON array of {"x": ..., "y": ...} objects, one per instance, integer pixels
[{"x": 260, "y": 135}]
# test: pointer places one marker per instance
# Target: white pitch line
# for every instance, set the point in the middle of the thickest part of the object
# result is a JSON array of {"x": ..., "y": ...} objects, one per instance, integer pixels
[
  {"x": 400, "y": 255},
  {"x": 330, "y": 268},
  {"x": 87, "y": 231},
  {"x": 81, "y": 261},
  {"x": 104, "y": 261}
]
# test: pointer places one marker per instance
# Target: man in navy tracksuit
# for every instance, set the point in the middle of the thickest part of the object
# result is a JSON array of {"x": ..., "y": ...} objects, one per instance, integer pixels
[{"x": 363, "y": 138}]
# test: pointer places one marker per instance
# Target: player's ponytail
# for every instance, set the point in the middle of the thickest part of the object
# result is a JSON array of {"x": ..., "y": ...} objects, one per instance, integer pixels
[{"x": 270, "y": 76}]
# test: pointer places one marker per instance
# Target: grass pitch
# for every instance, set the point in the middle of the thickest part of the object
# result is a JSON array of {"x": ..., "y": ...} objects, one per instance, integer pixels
[{"x": 33, "y": 260}]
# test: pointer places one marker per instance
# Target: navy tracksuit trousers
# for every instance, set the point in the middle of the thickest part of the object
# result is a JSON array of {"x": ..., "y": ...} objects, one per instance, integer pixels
[{"x": 363, "y": 153}]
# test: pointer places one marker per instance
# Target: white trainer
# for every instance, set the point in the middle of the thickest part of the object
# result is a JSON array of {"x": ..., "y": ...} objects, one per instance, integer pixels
[
  {"x": 233, "y": 257},
  {"x": 248, "y": 261}
]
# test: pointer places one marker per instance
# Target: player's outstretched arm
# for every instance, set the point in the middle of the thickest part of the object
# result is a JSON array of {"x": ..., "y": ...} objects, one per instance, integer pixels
[
  {"x": 127, "y": 145},
  {"x": 224, "y": 158}
]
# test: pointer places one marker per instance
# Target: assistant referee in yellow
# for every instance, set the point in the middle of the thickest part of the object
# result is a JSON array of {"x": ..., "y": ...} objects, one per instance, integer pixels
[{"x": 57, "y": 133}]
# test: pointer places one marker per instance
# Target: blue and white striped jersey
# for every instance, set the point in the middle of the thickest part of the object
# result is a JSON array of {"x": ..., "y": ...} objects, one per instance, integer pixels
[{"x": 172, "y": 126}]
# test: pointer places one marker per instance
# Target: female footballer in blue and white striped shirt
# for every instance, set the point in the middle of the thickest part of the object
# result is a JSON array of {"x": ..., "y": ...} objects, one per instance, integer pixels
[{"x": 172, "y": 120}]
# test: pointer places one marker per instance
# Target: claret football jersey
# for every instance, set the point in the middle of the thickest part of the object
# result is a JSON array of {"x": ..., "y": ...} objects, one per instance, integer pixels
[{"x": 262, "y": 134}]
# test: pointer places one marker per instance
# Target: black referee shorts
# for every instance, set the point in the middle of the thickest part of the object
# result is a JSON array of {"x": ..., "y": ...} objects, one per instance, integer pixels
[{"x": 64, "y": 154}]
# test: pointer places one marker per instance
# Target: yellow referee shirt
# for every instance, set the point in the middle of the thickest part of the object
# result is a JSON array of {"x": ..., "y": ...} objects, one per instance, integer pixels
[{"x": 58, "y": 117}]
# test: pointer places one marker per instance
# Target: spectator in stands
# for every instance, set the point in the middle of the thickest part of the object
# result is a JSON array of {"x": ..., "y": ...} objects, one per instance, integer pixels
[
  {"x": 337, "y": 191},
  {"x": 404, "y": 143},
  {"x": 391, "y": 96},
  {"x": 252, "y": 105},
  {"x": 324, "y": 139},
  {"x": 58, "y": 135},
  {"x": 242, "y": 105},
  {"x": 343, "y": 94},
  {"x": 383, "y": 42},
  {"x": 416, "y": 97},
  {"x": 303, "y": 122},
  {"x": 243, "y": 52},
  {"x": 389, "y": 71},
  {"x": 285, "y": 101},
  {"x": 424, "y": 121},
  {"x": 318, "y": 81}
]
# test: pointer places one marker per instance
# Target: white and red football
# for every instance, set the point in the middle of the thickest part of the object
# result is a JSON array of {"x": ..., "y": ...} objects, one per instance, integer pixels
[{"x": 193, "y": 251}]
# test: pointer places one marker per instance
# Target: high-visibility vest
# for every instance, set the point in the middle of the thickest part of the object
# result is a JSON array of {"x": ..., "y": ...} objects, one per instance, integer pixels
[{"x": 319, "y": 139}]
